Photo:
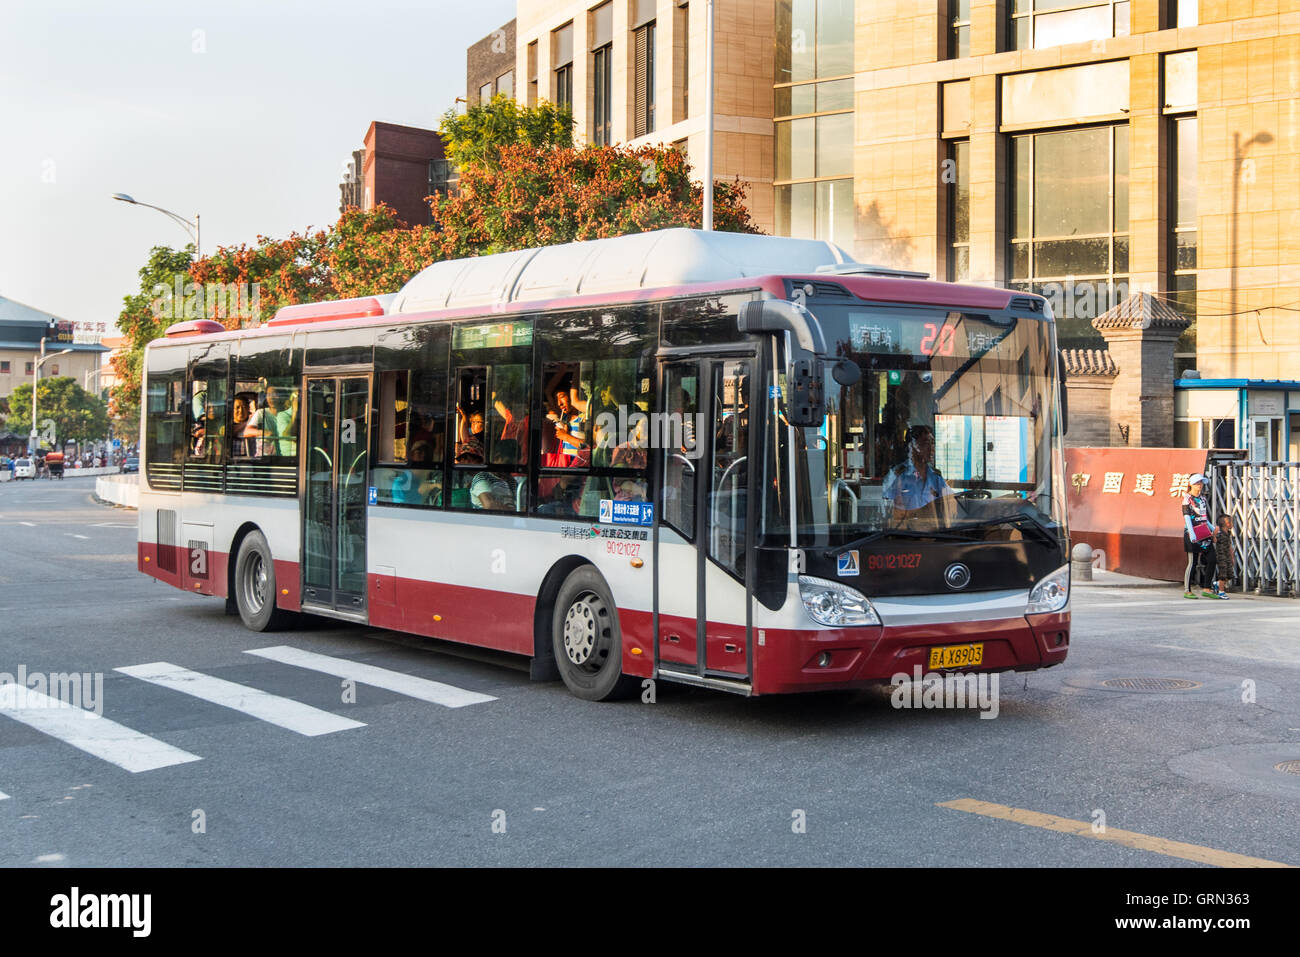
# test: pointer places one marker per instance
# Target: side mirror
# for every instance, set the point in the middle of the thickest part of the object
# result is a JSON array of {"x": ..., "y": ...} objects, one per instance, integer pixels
[
  {"x": 807, "y": 403},
  {"x": 845, "y": 372}
]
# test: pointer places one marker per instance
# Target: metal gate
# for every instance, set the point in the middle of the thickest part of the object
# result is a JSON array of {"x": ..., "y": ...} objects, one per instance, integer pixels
[{"x": 1263, "y": 499}]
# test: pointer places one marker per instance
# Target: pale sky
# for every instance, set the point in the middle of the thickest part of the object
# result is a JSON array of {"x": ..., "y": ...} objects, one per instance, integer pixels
[{"x": 106, "y": 96}]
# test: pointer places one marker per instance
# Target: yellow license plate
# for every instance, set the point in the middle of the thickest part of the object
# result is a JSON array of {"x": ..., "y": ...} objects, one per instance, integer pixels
[{"x": 957, "y": 656}]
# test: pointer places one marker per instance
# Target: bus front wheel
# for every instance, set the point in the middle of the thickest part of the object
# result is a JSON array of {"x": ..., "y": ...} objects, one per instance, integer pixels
[
  {"x": 586, "y": 638},
  {"x": 255, "y": 585}
]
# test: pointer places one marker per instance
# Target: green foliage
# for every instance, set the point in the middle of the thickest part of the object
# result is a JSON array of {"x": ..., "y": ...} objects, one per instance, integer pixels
[
  {"x": 77, "y": 414},
  {"x": 479, "y": 135}
]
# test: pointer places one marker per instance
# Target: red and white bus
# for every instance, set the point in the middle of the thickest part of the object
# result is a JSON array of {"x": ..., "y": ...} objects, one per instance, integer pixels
[{"x": 742, "y": 462}]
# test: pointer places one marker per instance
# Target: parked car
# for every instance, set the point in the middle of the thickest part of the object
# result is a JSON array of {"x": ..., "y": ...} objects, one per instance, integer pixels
[
  {"x": 24, "y": 468},
  {"x": 131, "y": 464}
]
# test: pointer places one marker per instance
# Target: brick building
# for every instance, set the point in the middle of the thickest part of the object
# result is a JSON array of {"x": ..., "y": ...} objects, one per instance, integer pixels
[
  {"x": 400, "y": 166},
  {"x": 490, "y": 66}
]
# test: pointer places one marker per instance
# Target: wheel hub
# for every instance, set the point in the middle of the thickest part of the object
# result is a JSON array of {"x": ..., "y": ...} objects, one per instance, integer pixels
[{"x": 582, "y": 629}]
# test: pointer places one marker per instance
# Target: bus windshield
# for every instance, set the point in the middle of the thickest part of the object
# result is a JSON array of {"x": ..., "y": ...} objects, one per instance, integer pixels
[{"x": 951, "y": 430}]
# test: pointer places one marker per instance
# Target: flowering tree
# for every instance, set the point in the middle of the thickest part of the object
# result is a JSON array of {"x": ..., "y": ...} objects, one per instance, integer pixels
[{"x": 534, "y": 196}]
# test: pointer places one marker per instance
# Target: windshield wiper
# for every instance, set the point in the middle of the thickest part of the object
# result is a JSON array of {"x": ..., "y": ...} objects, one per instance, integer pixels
[
  {"x": 901, "y": 532},
  {"x": 1024, "y": 523}
]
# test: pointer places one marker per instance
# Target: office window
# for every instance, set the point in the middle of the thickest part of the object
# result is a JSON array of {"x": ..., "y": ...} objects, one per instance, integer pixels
[
  {"x": 485, "y": 93},
  {"x": 814, "y": 38},
  {"x": 643, "y": 66},
  {"x": 562, "y": 57},
  {"x": 54, "y": 368},
  {"x": 532, "y": 73},
  {"x": 4, "y": 367},
  {"x": 602, "y": 61},
  {"x": 28, "y": 370},
  {"x": 814, "y": 142},
  {"x": 1180, "y": 81},
  {"x": 1036, "y": 24},
  {"x": 959, "y": 37},
  {"x": 1183, "y": 204},
  {"x": 681, "y": 62},
  {"x": 957, "y": 178},
  {"x": 506, "y": 84},
  {"x": 1069, "y": 223},
  {"x": 1185, "y": 13}
]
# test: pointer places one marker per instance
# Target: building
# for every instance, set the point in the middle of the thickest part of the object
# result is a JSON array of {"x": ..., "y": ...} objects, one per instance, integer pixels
[
  {"x": 490, "y": 66},
  {"x": 1116, "y": 156},
  {"x": 633, "y": 71},
  {"x": 1089, "y": 154},
  {"x": 21, "y": 330},
  {"x": 399, "y": 166}
]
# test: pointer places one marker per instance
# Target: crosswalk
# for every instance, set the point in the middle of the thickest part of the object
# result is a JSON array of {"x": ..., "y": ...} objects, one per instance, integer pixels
[{"x": 138, "y": 752}]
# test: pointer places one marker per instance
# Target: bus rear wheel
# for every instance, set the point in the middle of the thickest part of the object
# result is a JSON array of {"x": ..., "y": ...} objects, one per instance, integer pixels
[
  {"x": 255, "y": 585},
  {"x": 586, "y": 638}
]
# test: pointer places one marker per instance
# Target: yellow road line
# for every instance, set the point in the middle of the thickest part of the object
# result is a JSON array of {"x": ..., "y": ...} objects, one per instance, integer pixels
[{"x": 1143, "y": 842}]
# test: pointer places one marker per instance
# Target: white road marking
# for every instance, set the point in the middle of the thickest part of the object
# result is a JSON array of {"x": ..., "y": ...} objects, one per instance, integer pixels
[
  {"x": 28, "y": 524},
  {"x": 423, "y": 689},
  {"x": 110, "y": 525},
  {"x": 1285, "y": 620},
  {"x": 75, "y": 535},
  {"x": 3, "y": 796},
  {"x": 273, "y": 709},
  {"x": 98, "y": 736}
]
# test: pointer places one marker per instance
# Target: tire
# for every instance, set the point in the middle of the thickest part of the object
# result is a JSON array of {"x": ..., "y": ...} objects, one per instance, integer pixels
[
  {"x": 255, "y": 588},
  {"x": 586, "y": 639}
]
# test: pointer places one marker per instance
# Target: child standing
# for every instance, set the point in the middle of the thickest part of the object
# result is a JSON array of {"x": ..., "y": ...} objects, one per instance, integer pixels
[{"x": 1223, "y": 552}]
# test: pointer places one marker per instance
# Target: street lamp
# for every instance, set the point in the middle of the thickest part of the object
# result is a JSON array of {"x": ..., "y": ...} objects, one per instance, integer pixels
[
  {"x": 191, "y": 227},
  {"x": 36, "y": 380}
]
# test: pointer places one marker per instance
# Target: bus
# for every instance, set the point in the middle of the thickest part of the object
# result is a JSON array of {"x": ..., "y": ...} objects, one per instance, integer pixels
[{"x": 741, "y": 462}]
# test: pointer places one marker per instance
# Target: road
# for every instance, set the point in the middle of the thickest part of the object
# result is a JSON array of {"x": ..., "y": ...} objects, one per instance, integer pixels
[{"x": 471, "y": 763}]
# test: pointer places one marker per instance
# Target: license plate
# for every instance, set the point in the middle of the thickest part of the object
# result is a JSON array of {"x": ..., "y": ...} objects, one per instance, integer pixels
[{"x": 957, "y": 656}]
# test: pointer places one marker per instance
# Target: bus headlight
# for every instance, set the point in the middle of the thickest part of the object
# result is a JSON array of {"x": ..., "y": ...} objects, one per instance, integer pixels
[
  {"x": 1050, "y": 594},
  {"x": 831, "y": 603}
]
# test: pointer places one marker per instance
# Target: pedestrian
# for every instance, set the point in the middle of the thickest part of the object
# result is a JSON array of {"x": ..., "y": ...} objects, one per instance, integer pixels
[
  {"x": 1227, "y": 569},
  {"x": 1198, "y": 539}
]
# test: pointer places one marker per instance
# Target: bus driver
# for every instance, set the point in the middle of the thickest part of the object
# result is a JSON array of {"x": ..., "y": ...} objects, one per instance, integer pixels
[{"x": 914, "y": 487}]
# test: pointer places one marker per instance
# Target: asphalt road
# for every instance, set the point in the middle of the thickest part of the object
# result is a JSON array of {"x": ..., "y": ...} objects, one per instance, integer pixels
[{"x": 697, "y": 777}]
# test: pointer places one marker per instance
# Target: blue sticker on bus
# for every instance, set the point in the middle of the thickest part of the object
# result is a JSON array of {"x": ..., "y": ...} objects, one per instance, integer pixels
[
  {"x": 613, "y": 512},
  {"x": 847, "y": 563},
  {"x": 774, "y": 392},
  {"x": 374, "y": 495}
]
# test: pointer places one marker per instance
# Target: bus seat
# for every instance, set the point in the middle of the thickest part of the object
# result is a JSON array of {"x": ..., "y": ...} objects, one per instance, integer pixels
[{"x": 460, "y": 498}]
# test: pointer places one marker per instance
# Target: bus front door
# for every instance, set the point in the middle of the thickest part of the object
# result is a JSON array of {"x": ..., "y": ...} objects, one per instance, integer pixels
[
  {"x": 334, "y": 501},
  {"x": 702, "y": 599}
]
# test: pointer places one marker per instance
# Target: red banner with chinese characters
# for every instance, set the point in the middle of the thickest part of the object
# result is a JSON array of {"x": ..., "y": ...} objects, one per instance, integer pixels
[{"x": 1128, "y": 504}]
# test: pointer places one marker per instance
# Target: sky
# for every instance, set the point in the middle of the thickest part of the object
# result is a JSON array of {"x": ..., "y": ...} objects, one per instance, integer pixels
[{"x": 242, "y": 111}]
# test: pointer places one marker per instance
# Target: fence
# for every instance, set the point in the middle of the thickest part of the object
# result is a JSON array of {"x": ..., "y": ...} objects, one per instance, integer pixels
[{"x": 1263, "y": 499}]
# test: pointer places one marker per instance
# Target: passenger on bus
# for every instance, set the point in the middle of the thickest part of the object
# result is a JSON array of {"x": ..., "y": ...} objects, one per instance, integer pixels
[
  {"x": 241, "y": 409},
  {"x": 568, "y": 430},
  {"x": 564, "y": 497},
  {"x": 469, "y": 443},
  {"x": 514, "y": 430},
  {"x": 490, "y": 491}
]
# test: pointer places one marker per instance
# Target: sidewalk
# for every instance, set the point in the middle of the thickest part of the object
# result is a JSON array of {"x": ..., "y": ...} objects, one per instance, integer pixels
[{"x": 1102, "y": 579}]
